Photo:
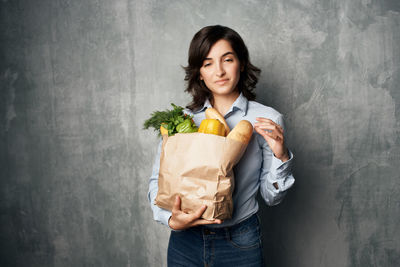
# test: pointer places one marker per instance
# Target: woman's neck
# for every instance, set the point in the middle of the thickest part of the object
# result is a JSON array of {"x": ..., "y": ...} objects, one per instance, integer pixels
[{"x": 222, "y": 103}]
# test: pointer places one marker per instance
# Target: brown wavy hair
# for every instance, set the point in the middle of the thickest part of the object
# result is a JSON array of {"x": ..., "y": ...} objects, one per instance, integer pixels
[{"x": 199, "y": 48}]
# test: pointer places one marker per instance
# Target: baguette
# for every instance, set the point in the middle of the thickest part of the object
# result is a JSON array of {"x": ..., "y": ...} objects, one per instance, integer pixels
[
  {"x": 242, "y": 132},
  {"x": 212, "y": 113}
]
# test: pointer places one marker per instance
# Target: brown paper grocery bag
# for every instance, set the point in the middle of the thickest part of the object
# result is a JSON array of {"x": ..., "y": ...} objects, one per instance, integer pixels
[{"x": 199, "y": 168}]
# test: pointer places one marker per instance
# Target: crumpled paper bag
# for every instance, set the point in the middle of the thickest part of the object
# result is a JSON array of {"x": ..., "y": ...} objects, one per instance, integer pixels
[{"x": 199, "y": 168}]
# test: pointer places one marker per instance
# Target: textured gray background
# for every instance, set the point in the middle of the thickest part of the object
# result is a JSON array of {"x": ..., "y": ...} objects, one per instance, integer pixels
[{"x": 78, "y": 78}]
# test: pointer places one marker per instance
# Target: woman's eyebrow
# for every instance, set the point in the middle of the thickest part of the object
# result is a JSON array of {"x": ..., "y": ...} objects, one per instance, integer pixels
[{"x": 227, "y": 53}]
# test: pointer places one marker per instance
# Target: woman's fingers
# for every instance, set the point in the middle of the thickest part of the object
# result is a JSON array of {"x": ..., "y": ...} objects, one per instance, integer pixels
[
  {"x": 203, "y": 222},
  {"x": 177, "y": 204},
  {"x": 267, "y": 136},
  {"x": 182, "y": 220},
  {"x": 276, "y": 135},
  {"x": 265, "y": 121},
  {"x": 269, "y": 125},
  {"x": 197, "y": 214},
  {"x": 196, "y": 218},
  {"x": 274, "y": 130},
  {"x": 260, "y": 131}
]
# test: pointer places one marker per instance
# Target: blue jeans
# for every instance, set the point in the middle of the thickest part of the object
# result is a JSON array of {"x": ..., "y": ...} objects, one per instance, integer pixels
[{"x": 238, "y": 245}]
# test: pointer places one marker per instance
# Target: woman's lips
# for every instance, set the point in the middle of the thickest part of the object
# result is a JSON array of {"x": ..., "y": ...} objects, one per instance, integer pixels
[{"x": 221, "y": 82}]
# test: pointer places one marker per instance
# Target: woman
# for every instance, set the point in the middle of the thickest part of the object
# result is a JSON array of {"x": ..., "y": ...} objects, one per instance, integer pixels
[{"x": 220, "y": 75}]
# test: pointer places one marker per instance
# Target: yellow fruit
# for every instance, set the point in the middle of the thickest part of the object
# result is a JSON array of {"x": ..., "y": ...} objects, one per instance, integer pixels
[
  {"x": 163, "y": 130},
  {"x": 212, "y": 126},
  {"x": 212, "y": 113}
]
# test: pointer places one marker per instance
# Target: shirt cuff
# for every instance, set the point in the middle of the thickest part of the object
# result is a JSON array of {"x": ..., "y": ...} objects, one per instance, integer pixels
[
  {"x": 280, "y": 168},
  {"x": 163, "y": 217}
]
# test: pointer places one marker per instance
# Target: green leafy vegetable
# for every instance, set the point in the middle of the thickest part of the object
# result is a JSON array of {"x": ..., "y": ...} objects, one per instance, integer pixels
[
  {"x": 175, "y": 121},
  {"x": 186, "y": 127}
]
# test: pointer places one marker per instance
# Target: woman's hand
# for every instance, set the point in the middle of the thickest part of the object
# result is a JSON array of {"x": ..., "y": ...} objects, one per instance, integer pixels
[
  {"x": 181, "y": 220},
  {"x": 274, "y": 137}
]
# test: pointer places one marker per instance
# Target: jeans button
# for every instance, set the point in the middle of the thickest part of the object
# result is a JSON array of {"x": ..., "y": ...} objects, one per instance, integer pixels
[{"x": 206, "y": 231}]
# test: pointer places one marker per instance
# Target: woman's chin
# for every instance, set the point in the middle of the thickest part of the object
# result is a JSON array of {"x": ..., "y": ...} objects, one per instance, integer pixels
[{"x": 224, "y": 92}]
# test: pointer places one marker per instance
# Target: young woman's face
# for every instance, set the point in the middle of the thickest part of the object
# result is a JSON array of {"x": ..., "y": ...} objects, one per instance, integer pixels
[{"x": 221, "y": 69}]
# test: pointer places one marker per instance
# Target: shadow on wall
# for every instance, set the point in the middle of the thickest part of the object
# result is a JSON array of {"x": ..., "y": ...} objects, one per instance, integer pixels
[
  {"x": 331, "y": 204},
  {"x": 276, "y": 220}
]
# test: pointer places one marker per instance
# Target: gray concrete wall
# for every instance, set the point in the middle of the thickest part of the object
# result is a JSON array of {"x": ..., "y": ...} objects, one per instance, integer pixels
[{"x": 77, "y": 79}]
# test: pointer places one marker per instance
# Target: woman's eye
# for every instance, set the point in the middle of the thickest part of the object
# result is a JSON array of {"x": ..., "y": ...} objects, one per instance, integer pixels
[{"x": 227, "y": 59}]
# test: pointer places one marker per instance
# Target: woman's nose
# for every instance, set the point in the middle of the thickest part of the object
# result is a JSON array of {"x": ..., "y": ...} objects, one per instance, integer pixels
[{"x": 220, "y": 70}]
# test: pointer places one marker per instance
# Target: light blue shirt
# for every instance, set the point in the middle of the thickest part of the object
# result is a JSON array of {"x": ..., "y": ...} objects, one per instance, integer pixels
[{"x": 257, "y": 169}]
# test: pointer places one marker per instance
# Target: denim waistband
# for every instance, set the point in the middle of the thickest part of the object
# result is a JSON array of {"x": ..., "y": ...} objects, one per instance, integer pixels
[{"x": 209, "y": 230}]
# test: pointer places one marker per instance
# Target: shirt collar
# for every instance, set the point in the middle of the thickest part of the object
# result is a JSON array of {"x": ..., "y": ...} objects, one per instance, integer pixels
[{"x": 240, "y": 103}]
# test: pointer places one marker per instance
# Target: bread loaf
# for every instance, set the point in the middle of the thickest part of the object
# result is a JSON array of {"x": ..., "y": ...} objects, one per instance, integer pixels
[{"x": 242, "y": 132}]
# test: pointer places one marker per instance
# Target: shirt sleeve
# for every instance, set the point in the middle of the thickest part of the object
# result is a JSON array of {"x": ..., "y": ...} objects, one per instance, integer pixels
[
  {"x": 159, "y": 214},
  {"x": 273, "y": 170}
]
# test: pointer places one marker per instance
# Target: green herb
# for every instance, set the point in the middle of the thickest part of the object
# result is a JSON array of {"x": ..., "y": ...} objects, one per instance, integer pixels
[{"x": 173, "y": 120}]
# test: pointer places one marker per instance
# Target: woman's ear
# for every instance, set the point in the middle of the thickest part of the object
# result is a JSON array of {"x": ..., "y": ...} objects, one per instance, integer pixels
[{"x": 241, "y": 68}]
